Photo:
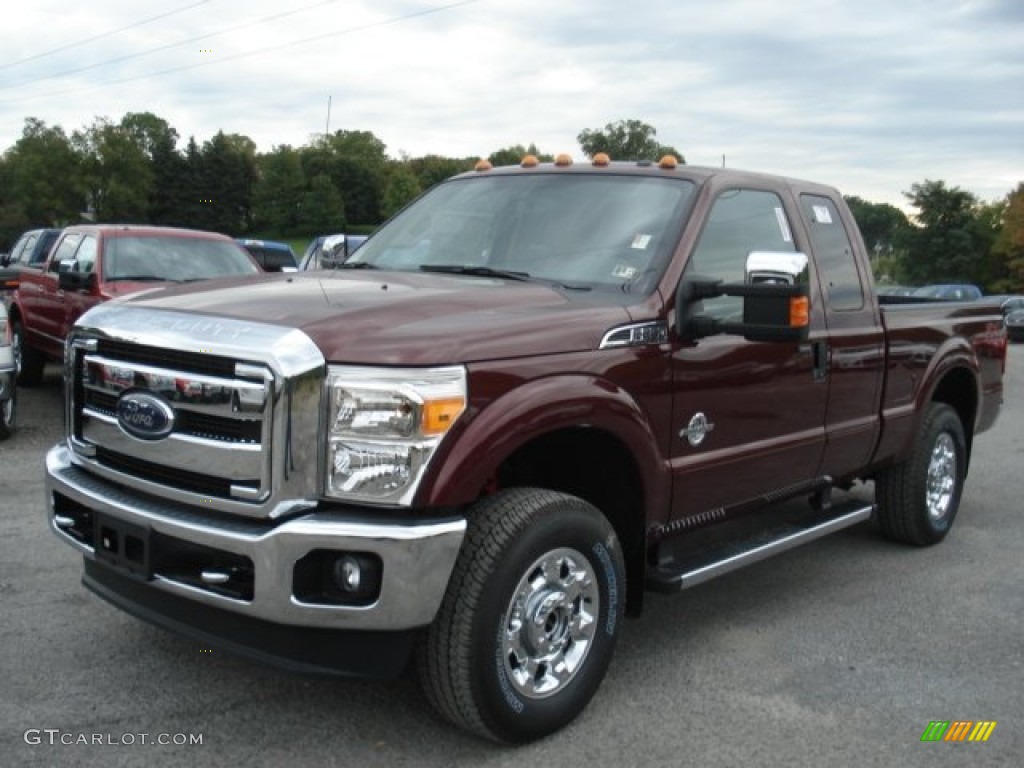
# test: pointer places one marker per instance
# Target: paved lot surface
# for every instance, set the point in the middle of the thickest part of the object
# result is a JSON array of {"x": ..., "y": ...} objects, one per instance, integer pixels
[{"x": 839, "y": 653}]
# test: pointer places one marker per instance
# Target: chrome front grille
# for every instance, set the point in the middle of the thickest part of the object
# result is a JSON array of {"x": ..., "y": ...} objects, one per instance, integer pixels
[{"x": 242, "y": 416}]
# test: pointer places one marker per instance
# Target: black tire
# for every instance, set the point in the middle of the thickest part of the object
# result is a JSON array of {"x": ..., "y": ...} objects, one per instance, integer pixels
[
  {"x": 8, "y": 409},
  {"x": 472, "y": 664},
  {"x": 28, "y": 362},
  {"x": 918, "y": 498}
]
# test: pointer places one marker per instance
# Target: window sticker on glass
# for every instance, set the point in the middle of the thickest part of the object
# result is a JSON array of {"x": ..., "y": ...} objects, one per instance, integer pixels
[
  {"x": 821, "y": 214},
  {"x": 624, "y": 271},
  {"x": 640, "y": 242},
  {"x": 783, "y": 225}
]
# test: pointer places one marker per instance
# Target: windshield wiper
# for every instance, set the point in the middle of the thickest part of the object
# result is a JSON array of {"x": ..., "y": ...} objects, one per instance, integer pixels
[
  {"x": 476, "y": 271},
  {"x": 355, "y": 265}
]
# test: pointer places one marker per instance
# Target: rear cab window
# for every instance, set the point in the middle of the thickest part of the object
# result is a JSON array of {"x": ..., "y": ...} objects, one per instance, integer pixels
[{"x": 834, "y": 253}]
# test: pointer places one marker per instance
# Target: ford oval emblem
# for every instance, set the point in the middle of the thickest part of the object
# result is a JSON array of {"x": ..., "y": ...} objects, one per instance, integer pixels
[{"x": 145, "y": 416}]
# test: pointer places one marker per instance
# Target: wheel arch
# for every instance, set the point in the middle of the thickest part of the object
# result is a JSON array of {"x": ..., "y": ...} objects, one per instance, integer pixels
[
  {"x": 579, "y": 435},
  {"x": 958, "y": 388}
]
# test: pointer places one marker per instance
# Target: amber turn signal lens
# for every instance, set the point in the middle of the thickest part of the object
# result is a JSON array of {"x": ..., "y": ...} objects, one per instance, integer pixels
[
  {"x": 799, "y": 312},
  {"x": 439, "y": 415}
]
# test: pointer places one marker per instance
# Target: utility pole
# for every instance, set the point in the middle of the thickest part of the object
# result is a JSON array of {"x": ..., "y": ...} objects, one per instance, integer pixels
[{"x": 327, "y": 128}]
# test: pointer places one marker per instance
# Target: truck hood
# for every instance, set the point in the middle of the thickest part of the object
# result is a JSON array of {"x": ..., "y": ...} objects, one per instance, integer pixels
[{"x": 401, "y": 318}]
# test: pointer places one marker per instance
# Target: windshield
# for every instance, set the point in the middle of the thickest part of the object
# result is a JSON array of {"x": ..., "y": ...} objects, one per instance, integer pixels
[
  {"x": 599, "y": 231},
  {"x": 174, "y": 259}
]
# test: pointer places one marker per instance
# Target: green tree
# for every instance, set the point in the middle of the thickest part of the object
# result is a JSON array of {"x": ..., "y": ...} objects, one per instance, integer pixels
[
  {"x": 225, "y": 172},
  {"x": 323, "y": 209},
  {"x": 945, "y": 246},
  {"x": 881, "y": 225},
  {"x": 196, "y": 204},
  {"x": 514, "y": 155},
  {"x": 433, "y": 169},
  {"x": 279, "y": 192},
  {"x": 13, "y": 220},
  {"x": 356, "y": 161},
  {"x": 45, "y": 175},
  {"x": 626, "y": 140},
  {"x": 399, "y": 189},
  {"x": 117, "y": 171},
  {"x": 168, "y": 195},
  {"x": 1009, "y": 244},
  {"x": 885, "y": 229}
]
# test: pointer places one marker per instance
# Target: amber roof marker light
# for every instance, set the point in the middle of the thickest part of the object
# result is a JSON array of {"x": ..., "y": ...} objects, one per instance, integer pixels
[
  {"x": 563, "y": 160},
  {"x": 482, "y": 165},
  {"x": 601, "y": 160},
  {"x": 669, "y": 162},
  {"x": 529, "y": 161}
]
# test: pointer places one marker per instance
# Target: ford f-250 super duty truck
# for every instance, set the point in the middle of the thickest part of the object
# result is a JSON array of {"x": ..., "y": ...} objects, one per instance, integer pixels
[{"x": 534, "y": 394}]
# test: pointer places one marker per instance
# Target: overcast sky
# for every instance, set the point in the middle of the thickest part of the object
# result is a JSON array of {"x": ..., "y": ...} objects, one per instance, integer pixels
[{"x": 867, "y": 95}]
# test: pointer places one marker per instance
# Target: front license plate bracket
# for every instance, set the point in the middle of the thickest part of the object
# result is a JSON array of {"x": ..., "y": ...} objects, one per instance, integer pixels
[{"x": 125, "y": 546}]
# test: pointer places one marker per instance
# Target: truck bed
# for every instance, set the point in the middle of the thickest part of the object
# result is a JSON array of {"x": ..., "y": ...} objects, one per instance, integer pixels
[{"x": 917, "y": 331}]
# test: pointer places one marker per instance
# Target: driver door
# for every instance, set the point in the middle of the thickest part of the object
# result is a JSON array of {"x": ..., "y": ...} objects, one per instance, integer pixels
[{"x": 748, "y": 417}]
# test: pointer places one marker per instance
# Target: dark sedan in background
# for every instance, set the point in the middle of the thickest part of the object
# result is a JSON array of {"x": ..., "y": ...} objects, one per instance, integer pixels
[{"x": 1015, "y": 325}]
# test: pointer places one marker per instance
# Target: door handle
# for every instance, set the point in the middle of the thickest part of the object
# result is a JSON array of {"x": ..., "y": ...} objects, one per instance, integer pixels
[{"x": 819, "y": 359}]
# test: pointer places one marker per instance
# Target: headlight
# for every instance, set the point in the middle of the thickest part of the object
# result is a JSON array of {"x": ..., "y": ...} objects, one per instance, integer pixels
[{"x": 384, "y": 425}]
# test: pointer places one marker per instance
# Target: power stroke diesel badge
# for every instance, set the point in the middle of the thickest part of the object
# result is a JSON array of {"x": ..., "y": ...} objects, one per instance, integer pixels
[{"x": 145, "y": 416}]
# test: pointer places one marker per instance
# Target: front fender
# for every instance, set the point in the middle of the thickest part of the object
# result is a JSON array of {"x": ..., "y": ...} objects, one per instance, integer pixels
[{"x": 531, "y": 410}]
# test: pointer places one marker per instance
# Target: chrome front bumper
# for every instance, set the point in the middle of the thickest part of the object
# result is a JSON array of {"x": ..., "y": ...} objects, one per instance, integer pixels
[{"x": 417, "y": 555}]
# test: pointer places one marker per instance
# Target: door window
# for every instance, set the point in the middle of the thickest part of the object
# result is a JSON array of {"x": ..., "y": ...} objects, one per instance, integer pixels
[
  {"x": 86, "y": 254},
  {"x": 740, "y": 221},
  {"x": 65, "y": 250},
  {"x": 23, "y": 248}
]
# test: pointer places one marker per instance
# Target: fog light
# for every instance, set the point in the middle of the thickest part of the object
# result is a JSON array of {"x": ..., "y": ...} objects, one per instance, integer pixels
[
  {"x": 347, "y": 573},
  {"x": 330, "y": 577}
]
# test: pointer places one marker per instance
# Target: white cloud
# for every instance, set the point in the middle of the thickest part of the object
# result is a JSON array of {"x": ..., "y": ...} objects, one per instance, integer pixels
[{"x": 869, "y": 96}]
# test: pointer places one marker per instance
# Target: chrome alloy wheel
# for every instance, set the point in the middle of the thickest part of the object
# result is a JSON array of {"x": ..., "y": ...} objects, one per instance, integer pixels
[
  {"x": 942, "y": 474},
  {"x": 550, "y": 622}
]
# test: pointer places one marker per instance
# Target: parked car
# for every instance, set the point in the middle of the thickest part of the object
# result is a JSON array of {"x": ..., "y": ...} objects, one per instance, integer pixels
[
  {"x": 1011, "y": 304},
  {"x": 949, "y": 292},
  {"x": 90, "y": 264},
  {"x": 329, "y": 251},
  {"x": 29, "y": 252},
  {"x": 8, "y": 373},
  {"x": 1014, "y": 322},
  {"x": 271, "y": 255},
  {"x": 895, "y": 290}
]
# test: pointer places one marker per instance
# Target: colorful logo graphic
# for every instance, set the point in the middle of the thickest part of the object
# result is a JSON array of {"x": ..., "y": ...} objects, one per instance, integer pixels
[{"x": 958, "y": 730}]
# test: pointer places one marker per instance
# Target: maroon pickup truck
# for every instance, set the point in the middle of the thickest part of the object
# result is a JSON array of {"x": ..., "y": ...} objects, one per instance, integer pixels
[
  {"x": 533, "y": 395},
  {"x": 90, "y": 264}
]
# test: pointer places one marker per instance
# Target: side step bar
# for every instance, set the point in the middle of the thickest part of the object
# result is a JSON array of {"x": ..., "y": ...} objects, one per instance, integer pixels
[{"x": 677, "y": 576}]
